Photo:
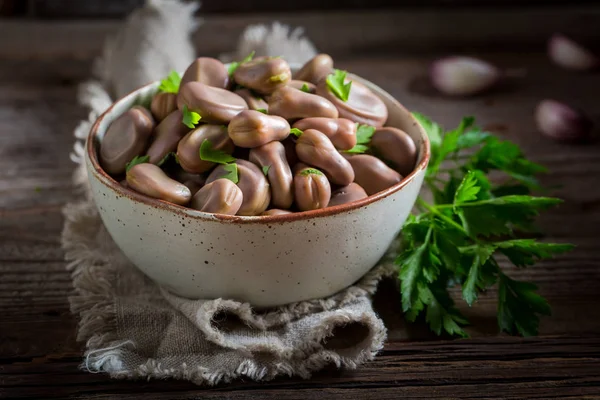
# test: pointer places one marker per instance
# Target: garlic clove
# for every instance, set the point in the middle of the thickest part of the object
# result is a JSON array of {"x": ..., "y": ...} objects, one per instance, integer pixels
[
  {"x": 562, "y": 122},
  {"x": 570, "y": 54},
  {"x": 463, "y": 76}
]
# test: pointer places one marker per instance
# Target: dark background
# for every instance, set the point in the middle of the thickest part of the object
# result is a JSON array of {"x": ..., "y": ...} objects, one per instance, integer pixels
[{"x": 63, "y": 9}]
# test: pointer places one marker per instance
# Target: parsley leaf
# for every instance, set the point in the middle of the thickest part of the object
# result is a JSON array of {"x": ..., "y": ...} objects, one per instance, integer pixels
[
  {"x": 305, "y": 88},
  {"x": 235, "y": 65},
  {"x": 190, "y": 118},
  {"x": 524, "y": 252},
  {"x": 171, "y": 83},
  {"x": 468, "y": 189},
  {"x": 296, "y": 132},
  {"x": 167, "y": 157},
  {"x": 364, "y": 133},
  {"x": 231, "y": 172},
  {"x": 265, "y": 169},
  {"x": 279, "y": 78},
  {"x": 519, "y": 307},
  {"x": 336, "y": 83},
  {"x": 357, "y": 149},
  {"x": 262, "y": 110},
  {"x": 480, "y": 257},
  {"x": 310, "y": 171},
  {"x": 207, "y": 153},
  {"x": 135, "y": 161}
]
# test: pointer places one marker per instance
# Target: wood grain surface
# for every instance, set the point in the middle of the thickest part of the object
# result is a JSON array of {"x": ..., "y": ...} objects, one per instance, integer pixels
[{"x": 39, "y": 357}]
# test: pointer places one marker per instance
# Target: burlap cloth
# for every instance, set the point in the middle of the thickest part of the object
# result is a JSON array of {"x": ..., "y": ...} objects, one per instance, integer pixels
[{"x": 134, "y": 329}]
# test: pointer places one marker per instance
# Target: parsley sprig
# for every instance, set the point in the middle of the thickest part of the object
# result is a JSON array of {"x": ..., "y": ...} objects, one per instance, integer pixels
[
  {"x": 208, "y": 153},
  {"x": 456, "y": 240},
  {"x": 235, "y": 64},
  {"x": 364, "y": 133},
  {"x": 190, "y": 118},
  {"x": 171, "y": 83},
  {"x": 135, "y": 161},
  {"x": 336, "y": 82}
]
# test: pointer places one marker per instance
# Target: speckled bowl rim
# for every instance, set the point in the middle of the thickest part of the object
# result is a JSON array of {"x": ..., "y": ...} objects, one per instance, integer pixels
[{"x": 107, "y": 180}]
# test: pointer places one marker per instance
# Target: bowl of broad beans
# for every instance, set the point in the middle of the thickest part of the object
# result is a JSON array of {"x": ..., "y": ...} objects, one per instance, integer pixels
[{"x": 255, "y": 180}]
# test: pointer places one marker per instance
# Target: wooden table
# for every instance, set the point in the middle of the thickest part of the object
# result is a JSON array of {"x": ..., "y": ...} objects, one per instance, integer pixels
[{"x": 39, "y": 357}]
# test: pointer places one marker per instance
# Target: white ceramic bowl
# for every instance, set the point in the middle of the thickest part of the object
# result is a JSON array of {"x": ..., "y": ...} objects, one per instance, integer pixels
[{"x": 266, "y": 261}]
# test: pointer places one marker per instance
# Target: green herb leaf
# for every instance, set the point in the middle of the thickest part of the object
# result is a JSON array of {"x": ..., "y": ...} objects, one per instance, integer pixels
[
  {"x": 208, "y": 153},
  {"x": 190, "y": 118},
  {"x": 167, "y": 157},
  {"x": 524, "y": 252},
  {"x": 305, "y": 88},
  {"x": 468, "y": 189},
  {"x": 135, "y": 161},
  {"x": 310, "y": 171},
  {"x": 235, "y": 65},
  {"x": 364, "y": 133},
  {"x": 231, "y": 172},
  {"x": 265, "y": 169},
  {"x": 480, "y": 257},
  {"x": 262, "y": 110},
  {"x": 357, "y": 149},
  {"x": 499, "y": 216},
  {"x": 520, "y": 307},
  {"x": 336, "y": 83},
  {"x": 434, "y": 133},
  {"x": 279, "y": 78},
  {"x": 171, "y": 83},
  {"x": 441, "y": 314},
  {"x": 296, "y": 132}
]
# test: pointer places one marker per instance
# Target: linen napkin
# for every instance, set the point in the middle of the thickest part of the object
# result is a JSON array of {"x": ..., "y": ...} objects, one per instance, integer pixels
[{"x": 134, "y": 329}]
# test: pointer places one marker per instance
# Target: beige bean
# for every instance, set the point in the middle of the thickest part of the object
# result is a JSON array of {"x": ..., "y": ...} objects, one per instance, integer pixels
[
  {"x": 252, "y": 129},
  {"x": 363, "y": 106},
  {"x": 275, "y": 211},
  {"x": 253, "y": 184},
  {"x": 315, "y": 69},
  {"x": 152, "y": 181},
  {"x": 215, "y": 105},
  {"x": 296, "y": 84},
  {"x": 314, "y": 148},
  {"x": 372, "y": 173},
  {"x": 221, "y": 196},
  {"x": 126, "y": 137},
  {"x": 188, "y": 149},
  {"x": 209, "y": 71},
  {"x": 162, "y": 105},
  {"x": 311, "y": 189},
  {"x": 166, "y": 136},
  {"x": 263, "y": 74},
  {"x": 394, "y": 145},
  {"x": 292, "y": 104},
  {"x": 254, "y": 102},
  {"x": 271, "y": 156},
  {"x": 341, "y": 131},
  {"x": 347, "y": 194}
]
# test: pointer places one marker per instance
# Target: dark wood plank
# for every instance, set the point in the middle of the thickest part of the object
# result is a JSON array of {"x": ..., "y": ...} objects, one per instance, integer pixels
[
  {"x": 39, "y": 356},
  {"x": 508, "y": 367},
  {"x": 342, "y": 34},
  {"x": 119, "y": 8}
]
